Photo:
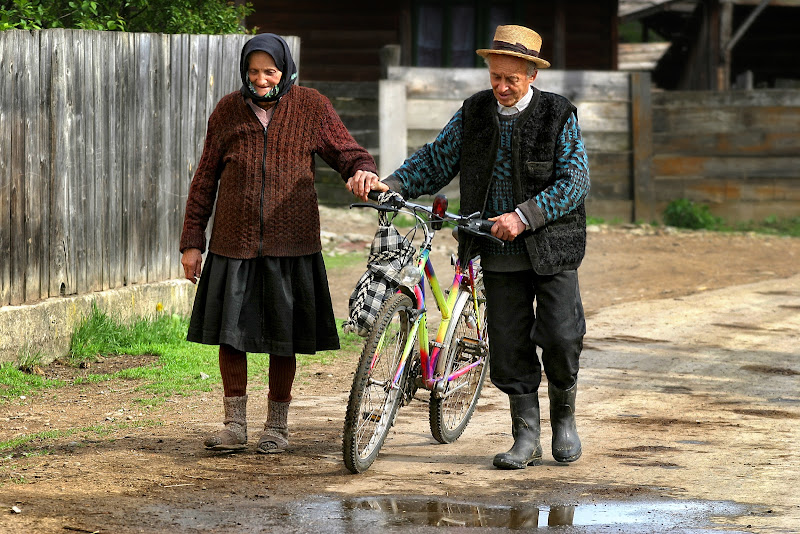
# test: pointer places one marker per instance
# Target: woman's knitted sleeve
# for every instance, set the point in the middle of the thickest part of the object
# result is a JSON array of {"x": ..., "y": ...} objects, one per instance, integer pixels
[
  {"x": 338, "y": 148},
  {"x": 202, "y": 191},
  {"x": 433, "y": 166}
]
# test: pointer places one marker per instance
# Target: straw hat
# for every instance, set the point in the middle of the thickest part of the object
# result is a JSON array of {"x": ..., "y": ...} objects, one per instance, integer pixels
[{"x": 516, "y": 41}]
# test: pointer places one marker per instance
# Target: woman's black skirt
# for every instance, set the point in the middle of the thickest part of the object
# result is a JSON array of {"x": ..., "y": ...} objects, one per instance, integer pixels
[{"x": 274, "y": 305}]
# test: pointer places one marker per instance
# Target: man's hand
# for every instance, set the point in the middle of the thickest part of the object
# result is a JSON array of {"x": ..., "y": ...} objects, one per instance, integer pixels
[
  {"x": 507, "y": 226},
  {"x": 192, "y": 261},
  {"x": 362, "y": 182}
]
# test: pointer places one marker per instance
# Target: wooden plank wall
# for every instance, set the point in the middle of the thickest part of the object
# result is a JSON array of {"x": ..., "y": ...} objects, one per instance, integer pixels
[
  {"x": 100, "y": 133},
  {"x": 737, "y": 152},
  {"x": 341, "y": 40},
  {"x": 603, "y": 100}
]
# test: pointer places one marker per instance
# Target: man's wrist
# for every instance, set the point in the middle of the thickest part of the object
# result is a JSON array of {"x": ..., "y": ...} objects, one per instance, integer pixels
[{"x": 523, "y": 218}]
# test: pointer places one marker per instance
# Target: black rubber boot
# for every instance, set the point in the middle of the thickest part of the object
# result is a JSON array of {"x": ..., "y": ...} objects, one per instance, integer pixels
[
  {"x": 527, "y": 449},
  {"x": 566, "y": 443}
]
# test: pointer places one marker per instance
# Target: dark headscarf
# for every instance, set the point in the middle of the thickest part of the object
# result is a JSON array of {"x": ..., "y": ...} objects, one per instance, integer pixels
[{"x": 276, "y": 47}]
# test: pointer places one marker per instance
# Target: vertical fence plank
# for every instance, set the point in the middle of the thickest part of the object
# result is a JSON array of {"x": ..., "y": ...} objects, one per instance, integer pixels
[
  {"x": 138, "y": 188},
  {"x": 7, "y": 64},
  {"x": 91, "y": 219},
  {"x": 96, "y": 97},
  {"x": 392, "y": 127},
  {"x": 208, "y": 53},
  {"x": 158, "y": 206},
  {"x": 206, "y": 90},
  {"x": 18, "y": 98},
  {"x": 61, "y": 274},
  {"x": 230, "y": 79},
  {"x": 126, "y": 67},
  {"x": 194, "y": 126},
  {"x": 113, "y": 237},
  {"x": 31, "y": 179},
  {"x": 78, "y": 205},
  {"x": 44, "y": 164},
  {"x": 177, "y": 96},
  {"x": 642, "y": 144}
]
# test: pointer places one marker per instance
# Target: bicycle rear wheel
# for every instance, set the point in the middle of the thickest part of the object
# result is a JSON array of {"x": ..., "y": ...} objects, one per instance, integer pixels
[
  {"x": 452, "y": 408},
  {"x": 373, "y": 401}
]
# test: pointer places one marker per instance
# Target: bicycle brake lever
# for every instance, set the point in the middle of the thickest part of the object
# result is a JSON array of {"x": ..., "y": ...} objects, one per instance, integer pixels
[
  {"x": 481, "y": 228},
  {"x": 379, "y": 207}
]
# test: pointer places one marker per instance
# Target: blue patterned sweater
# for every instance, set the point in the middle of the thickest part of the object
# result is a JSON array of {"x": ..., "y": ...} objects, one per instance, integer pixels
[{"x": 435, "y": 164}]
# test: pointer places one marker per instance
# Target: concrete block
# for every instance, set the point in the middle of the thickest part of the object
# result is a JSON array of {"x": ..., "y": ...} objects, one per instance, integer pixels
[{"x": 46, "y": 327}]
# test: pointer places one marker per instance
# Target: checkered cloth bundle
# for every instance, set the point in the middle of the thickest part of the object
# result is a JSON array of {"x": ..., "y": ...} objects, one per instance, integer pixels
[{"x": 389, "y": 252}]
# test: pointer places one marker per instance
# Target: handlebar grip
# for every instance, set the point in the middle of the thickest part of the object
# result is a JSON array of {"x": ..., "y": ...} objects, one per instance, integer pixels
[
  {"x": 373, "y": 195},
  {"x": 485, "y": 226}
]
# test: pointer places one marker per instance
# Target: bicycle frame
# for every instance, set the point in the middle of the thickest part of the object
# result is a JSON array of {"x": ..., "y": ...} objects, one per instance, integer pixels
[
  {"x": 430, "y": 353},
  {"x": 451, "y": 366}
]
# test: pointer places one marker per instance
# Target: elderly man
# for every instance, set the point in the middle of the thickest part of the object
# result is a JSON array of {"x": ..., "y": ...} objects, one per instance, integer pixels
[{"x": 522, "y": 164}]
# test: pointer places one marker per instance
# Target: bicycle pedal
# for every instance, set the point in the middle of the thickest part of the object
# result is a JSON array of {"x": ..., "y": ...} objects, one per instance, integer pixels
[{"x": 471, "y": 346}]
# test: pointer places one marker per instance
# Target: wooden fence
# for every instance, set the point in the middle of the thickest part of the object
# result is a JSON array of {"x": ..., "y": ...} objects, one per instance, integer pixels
[
  {"x": 415, "y": 103},
  {"x": 736, "y": 151},
  {"x": 99, "y": 136}
]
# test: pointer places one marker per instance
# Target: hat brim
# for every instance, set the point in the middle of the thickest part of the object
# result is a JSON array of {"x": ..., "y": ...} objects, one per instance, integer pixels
[{"x": 539, "y": 62}]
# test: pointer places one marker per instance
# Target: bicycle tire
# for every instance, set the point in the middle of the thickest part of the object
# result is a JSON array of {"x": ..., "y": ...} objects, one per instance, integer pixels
[
  {"x": 373, "y": 404},
  {"x": 451, "y": 409}
]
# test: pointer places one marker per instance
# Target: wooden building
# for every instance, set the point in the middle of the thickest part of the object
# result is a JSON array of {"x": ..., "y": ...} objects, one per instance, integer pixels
[
  {"x": 345, "y": 41},
  {"x": 721, "y": 44}
]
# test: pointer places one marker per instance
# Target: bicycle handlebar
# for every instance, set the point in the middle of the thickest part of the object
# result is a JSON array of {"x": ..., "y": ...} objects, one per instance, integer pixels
[{"x": 394, "y": 202}]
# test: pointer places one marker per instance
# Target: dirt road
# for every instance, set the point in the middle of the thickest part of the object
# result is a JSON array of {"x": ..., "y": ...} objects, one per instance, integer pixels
[{"x": 688, "y": 408}]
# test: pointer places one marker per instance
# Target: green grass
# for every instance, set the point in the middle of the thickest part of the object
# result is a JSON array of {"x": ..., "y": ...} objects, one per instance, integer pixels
[
  {"x": 770, "y": 225},
  {"x": 346, "y": 261},
  {"x": 99, "y": 431},
  {"x": 15, "y": 382},
  {"x": 182, "y": 368},
  {"x": 684, "y": 213}
]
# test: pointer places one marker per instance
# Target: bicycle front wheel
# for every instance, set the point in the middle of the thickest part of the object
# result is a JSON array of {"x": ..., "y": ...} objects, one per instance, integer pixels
[
  {"x": 373, "y": 397},
  {"x": 465, "y": 369}
]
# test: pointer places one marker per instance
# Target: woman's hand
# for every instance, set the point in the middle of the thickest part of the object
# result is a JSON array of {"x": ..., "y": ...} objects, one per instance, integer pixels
[
  {"x": 507, "y": 226},
  {"x": 362, "y": 182},
  {"x": 192, "y": 261}
]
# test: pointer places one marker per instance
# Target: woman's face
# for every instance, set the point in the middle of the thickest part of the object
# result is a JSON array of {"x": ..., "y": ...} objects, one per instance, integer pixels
[{"x": 263, "y": 73}]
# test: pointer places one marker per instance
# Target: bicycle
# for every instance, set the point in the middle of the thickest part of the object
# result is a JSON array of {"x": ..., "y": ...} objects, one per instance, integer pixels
[{"x": 452, "y": 367}]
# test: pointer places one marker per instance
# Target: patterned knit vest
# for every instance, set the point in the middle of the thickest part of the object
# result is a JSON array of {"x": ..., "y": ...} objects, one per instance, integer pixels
[
  {"x": 501, "y": 192},
  {"x": 559, "y": 245}
]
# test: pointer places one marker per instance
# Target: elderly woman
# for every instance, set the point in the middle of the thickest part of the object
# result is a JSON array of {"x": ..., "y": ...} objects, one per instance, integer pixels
[{"x": 263, "y": 287}]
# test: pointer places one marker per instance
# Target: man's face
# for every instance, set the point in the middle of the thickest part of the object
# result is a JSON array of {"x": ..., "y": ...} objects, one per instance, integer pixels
[{"x": 509, "y": 77}]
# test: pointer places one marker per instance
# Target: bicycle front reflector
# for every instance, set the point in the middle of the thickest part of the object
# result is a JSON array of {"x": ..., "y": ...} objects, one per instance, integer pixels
[{"x": 439, "y": 209}]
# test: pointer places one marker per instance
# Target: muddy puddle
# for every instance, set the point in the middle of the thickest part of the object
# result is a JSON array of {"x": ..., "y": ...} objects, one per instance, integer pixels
[{"x": 428, "y": 514}]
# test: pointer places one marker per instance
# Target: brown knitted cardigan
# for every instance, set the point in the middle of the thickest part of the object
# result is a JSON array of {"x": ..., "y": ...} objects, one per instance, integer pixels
[{"x": 267, "y": 204}]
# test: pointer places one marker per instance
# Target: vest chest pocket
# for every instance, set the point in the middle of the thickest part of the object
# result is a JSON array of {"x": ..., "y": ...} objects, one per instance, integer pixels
[{"x": 538, "y": 174}]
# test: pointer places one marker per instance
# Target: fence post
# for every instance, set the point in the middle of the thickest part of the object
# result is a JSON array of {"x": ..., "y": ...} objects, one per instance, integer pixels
[
  {"x": 642, "y": 147},
  {"x": 392, "y": 128},
  {"x": 7, "y": 75}
]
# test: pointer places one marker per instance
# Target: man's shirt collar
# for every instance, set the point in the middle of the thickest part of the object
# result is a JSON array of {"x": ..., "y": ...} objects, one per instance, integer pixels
[{"x": 519, "y": 106}]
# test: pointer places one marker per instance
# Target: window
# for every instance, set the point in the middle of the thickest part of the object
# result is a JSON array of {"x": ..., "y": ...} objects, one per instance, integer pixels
[{"x": 447, "y": 33}]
